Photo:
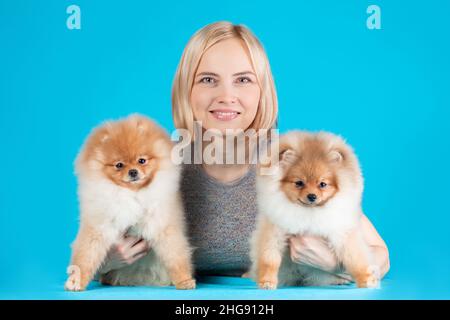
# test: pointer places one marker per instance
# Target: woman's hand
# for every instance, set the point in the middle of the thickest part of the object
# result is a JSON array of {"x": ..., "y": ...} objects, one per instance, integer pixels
[
  {"x": 314, "y": 252},
  {"x": 127, "y": 251}
]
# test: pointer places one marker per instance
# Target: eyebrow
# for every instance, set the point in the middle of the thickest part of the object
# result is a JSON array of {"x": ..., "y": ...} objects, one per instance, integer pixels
[
  {"x": 207, "y": 74},
  {"x": 243, "y": 72},
  {"x": 216, "y": 75}
]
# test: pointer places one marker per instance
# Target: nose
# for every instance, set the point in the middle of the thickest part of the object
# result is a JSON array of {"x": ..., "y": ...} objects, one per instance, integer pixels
[
  {"x": 226, "y": 95},
  {"x": 133, "y": 173},
  {"x": 311, "y": 197}
]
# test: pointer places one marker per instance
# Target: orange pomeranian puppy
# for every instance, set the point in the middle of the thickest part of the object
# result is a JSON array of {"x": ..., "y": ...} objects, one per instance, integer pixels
[
  {"x": 128, "y": 184},
  {"x": 315, "y": 188}
]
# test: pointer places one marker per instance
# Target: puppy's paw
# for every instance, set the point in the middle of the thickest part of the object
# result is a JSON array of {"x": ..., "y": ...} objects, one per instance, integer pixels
[
  {"x": 371, "y": 279},
  {"x": 267, "y": 285},
  {"x": 73, "y": 282},
  {"x": 185, "y": 285},
  {"x": 373, "y": 282},
  {"x": 369, "y": 282}
]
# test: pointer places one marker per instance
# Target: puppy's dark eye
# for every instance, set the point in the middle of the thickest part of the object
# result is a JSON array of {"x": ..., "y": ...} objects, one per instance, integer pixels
[
  {"x": 119, "y": 165},
  {"x": 142, "y": 161},
  {"x": 299, "y": 184},
  {"x": 322, "y": 184}
]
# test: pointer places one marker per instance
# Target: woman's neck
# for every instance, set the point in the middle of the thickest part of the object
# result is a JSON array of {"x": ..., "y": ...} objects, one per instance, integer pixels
[{"x": 226, "y": 172}]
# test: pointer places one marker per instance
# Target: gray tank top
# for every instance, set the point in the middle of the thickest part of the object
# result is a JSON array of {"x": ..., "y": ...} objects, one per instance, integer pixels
[{"x": 220, "y": 217}]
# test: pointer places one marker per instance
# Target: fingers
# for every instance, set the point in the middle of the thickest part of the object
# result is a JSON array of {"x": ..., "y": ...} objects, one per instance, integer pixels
[
  {"x": 308, "y": 242},
  {"x": 124, "y": 245},
  {"x": 302, "y": 241},
  {"x": 296, "y": 248},
  {"x": 129, "y": 246},
  {"x": 132, "y": 250},
  {"x": 344, "y": 276},
  {"x": 313, "y": 251},
  {"x": 313, "y": 241},
  {"x": 137, "y": 257},
  {"x": 140, "y": 247},
  {"x": 296, "y": 240},
  {"x": 129, "y": 241}
]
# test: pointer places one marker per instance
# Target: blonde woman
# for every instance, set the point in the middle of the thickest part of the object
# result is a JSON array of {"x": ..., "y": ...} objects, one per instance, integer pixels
[{"x": 224, "y": 81}]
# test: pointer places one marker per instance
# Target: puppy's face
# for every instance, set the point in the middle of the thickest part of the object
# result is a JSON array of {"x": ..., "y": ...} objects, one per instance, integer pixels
[
  {"x": 129, "y": 168},
  {"x": 129, "y": 151},
  {"x": 310, "y": 183},
  {"x": 128, "y": 157},
  {"x": 312, "y": 169}
]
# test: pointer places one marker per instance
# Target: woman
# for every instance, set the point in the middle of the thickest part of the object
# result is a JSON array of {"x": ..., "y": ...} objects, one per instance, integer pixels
[{"x": 224, "y": 82}]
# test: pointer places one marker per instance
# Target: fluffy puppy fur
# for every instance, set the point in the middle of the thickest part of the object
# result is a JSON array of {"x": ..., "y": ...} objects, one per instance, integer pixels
[
  {"x": 315, "y": 189},
  {"x": 128, "y": 183}
]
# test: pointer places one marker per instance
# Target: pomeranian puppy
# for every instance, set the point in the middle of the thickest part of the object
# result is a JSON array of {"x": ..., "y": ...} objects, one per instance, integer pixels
[
  {"x": 315, "y": 188},
  {"x": 127, "y": 183}
]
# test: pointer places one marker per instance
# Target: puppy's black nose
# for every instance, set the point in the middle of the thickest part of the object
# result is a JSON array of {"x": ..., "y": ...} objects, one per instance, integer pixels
[
  {"x": 133, "y": 173},
  {"x": 311, "y": 197}
]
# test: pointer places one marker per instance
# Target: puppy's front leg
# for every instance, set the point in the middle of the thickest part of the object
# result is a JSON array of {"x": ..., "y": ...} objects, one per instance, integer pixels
[
  {"x": 357, "y": 261},
  {"x": 89, "y": 251},
  {"x": 174, "y": 251},
  {"x": 270, "y": 244}
]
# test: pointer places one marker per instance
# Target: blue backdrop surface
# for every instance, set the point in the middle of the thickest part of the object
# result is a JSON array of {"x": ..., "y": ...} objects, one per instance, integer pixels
[{"x": 386, "y": 91}]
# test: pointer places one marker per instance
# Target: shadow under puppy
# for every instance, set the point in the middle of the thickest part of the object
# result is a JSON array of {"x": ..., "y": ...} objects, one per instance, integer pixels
[
  {"x": 314, "y": 188},
  {"x": 127, "y": 183}
]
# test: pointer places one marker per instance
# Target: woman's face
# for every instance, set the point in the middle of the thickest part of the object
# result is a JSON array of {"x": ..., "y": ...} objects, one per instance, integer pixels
[{"x": 225, "y": 94}]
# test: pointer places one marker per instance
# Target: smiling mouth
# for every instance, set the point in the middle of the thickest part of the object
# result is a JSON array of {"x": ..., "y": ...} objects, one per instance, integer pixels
[
  {"x": 307, "y": 204},
  {"x": 133, "y": 180},
  {"x": 225, "y": 115}
]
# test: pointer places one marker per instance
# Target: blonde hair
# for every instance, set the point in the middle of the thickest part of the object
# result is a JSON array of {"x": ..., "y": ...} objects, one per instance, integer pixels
[{"x": 202, "y": 40}]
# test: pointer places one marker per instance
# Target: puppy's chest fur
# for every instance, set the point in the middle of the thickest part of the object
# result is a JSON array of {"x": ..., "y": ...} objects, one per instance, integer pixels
[
  {"x": 333, "y": 220},
  {"x": 116, "y": 209},
  {"x": 137, "y": 210}
]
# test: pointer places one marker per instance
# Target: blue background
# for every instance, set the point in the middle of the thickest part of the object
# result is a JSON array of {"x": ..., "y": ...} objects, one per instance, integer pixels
[{"x": 386, "y": 91}]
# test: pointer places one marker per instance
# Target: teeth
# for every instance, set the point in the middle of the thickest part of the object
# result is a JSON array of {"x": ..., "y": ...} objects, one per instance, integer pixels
[{"x": 225, "y": 113}]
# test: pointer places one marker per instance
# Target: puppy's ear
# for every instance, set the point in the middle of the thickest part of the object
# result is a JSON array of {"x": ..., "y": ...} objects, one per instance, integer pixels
[
  {"x": 336, "y": 156},
  {"x": 287, "y": 156},
  {"x": 139, "y": 122},
  {"x": 141, "y": 126},
  {"x": 104, "y": 138},
  {"x": 103, "y": 133}
]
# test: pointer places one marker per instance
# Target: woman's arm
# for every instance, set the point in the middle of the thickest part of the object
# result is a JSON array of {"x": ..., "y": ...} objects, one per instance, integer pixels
[
  {"x": 379, "y": 249},
  {"x": 315, "y": 251}
]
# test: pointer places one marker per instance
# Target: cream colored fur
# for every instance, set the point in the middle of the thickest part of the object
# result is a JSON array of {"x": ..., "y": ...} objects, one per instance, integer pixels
[
  {"x": 336, "y": 220},
  {"x": 153, "y": 212}
]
